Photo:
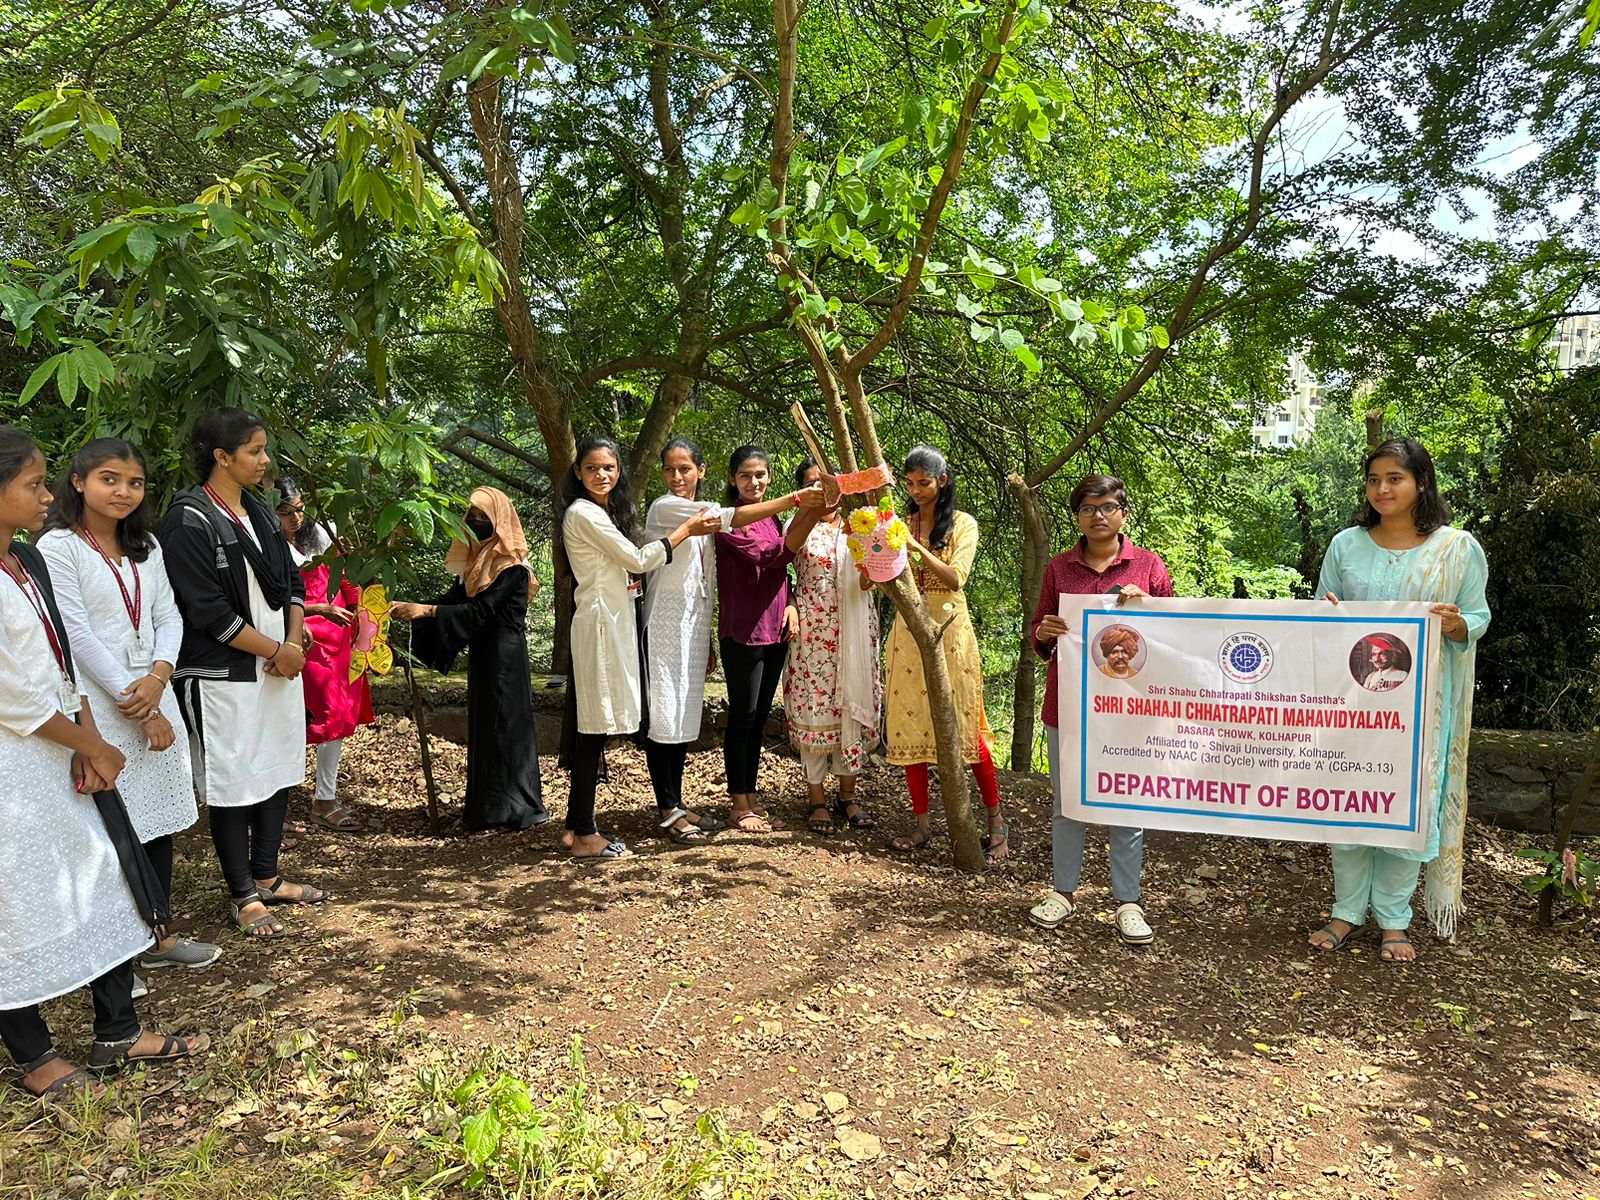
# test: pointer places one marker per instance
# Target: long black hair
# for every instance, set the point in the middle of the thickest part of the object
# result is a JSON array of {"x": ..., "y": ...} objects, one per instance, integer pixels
[
  {"x": 926, "y": 458},
  {"x": 309, "y": 538},
  {"x": 619, "y": 504},
  {"x": 736, "y": 460},
  {"x": 223, "y": 429},
  {"x": 1431, "y": 511},
  {"x": 66, "y": 510},
  {"x": 16, "y": 452}
]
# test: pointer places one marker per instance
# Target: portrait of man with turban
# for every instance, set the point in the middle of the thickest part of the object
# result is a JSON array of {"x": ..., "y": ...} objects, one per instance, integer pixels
[
  {"x": 1119, "y": 648},
  {"x": 1380, "y": 662}
]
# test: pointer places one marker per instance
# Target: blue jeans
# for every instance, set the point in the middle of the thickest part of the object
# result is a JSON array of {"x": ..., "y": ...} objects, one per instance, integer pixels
[
  {"x": 1066, "y": 842},
  {"x": 1369, "y": 877}
]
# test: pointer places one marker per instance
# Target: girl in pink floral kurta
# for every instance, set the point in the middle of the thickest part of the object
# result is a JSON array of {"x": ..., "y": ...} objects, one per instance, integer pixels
[{"x": 833, "y": 691}]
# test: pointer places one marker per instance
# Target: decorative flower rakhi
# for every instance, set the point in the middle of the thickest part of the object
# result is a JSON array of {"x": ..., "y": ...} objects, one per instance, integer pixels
[
  {"x": 369, "y": 649},
  {"x": 878, "y": 540}
]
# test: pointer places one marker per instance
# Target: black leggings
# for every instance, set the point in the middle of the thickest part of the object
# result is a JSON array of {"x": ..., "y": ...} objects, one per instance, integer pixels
[
  {"x": 247, "y": 841},
  {"x": 27, "y": 1037},
  {"x": 666, "y": 761},
  {"x": 588, "y": 750},
  {"x": 159, "y": 852},
  {"x": 753, "y": 673}
]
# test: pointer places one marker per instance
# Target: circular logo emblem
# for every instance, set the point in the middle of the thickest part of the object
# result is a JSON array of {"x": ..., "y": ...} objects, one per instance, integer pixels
[{"x": 1245, "y": 657}]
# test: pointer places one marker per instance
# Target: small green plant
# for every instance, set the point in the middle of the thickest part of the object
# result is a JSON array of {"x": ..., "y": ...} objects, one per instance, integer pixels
[
  {"x": 1458, "y": 1014},
  {"x": 1572, "y": 874}
]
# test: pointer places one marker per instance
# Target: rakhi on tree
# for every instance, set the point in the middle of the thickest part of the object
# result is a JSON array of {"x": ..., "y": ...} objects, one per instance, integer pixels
[{"x": 855, "y": 483}]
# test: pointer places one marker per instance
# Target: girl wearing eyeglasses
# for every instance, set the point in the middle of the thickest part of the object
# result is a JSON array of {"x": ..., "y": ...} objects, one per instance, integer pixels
[{"x": 1103, "y": 561}]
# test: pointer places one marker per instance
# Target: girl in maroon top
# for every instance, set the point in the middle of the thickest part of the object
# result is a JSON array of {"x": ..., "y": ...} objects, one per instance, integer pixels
[
  {"x": 755, "y": 624},
  {"x": 1103, "y": 562}
]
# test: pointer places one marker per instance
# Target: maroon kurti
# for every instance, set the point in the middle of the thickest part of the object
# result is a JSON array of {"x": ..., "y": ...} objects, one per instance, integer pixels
[
  {"x": 752, "y": 583},
  {"x": 1068, "y": 575},
  {"x": 335, "y": 707}
]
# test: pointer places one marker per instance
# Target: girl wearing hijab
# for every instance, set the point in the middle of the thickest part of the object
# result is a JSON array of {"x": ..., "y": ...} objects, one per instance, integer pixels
[
  {"x": 486, "y": 613},
  {"x": 336, "y": 705},
  {"x": 111, "y": 585},
  {"x": 238, "y": 676},
  {"x": 77, "y": 896}
]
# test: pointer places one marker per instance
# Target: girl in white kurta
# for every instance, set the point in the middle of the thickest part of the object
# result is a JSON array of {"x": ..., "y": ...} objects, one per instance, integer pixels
[
  {"x": 243, "y": 604},
  {"x": 678, "y": 605},
  {"x": 112, "y": 588},
  {"x": 596, "y": 532},
  {"x": 68, "y": 916}
]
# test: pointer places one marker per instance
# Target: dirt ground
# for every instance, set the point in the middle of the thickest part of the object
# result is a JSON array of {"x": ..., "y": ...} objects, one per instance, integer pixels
[{"x": 890, "y": 1026}]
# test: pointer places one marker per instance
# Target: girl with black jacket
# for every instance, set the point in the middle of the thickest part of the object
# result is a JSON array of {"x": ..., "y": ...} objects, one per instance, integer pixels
[{"x": 238, "y": 677}]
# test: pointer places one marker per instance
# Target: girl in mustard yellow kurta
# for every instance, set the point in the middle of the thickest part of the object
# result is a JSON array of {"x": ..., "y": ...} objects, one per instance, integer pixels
[{"x": 944, "y": 544}]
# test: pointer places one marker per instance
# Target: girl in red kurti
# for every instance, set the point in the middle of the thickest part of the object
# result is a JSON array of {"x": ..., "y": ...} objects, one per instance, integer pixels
[
  {"x": 1104, "y": 561},
  {"x": 335, "y": 707}
]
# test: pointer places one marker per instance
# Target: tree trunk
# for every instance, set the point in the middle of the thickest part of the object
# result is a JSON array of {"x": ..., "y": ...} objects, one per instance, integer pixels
[
  {"x": 1580, "y": 798},
  {"x": 1374, "y": 429},
  {"x": 1035, "y": 556}
]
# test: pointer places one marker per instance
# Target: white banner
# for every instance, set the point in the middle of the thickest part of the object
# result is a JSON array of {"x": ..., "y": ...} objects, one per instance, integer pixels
[{"x": 1298, "y": 720}]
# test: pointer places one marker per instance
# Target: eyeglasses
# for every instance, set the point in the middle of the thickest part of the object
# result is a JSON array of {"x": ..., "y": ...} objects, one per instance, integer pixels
[{"x": 1102, "y": 510}]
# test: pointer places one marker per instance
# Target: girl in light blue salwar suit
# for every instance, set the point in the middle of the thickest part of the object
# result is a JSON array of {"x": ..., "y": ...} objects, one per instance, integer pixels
[{"x": 1402, "y": 548}]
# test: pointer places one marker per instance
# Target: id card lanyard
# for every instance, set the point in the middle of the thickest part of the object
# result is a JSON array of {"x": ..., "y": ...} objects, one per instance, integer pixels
[
  {"x": 70, "y": 701},
  {"x": 140, "y": 655}
]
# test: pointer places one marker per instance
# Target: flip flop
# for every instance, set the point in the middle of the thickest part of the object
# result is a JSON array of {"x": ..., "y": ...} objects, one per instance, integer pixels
[
  {"x": 919, "y": 838},
  {"x": 1338, "y": 942},
  {"x": 1386, "y": 955},
  {"x": 612, "y": 852}
]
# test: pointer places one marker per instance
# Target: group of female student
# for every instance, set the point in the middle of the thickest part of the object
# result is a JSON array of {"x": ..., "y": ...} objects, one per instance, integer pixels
[
  {"x": 142, "y": 673},
  {"x": 113, "y": 637}
]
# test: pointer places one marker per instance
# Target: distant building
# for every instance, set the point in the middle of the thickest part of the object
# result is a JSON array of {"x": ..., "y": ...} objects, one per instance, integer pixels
[
  {"x": 1291, "y": 420},
  {"x": 1576, "y": 343}
]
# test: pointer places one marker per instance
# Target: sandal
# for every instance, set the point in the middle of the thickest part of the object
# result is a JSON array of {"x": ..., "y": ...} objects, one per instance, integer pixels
[
  {"x": 854, "y": 814},
  {"x": 706, "y": 823},
  {"x": 677, "y": 827},
  {"x": 293, "y": 834},
  {"x": 273, "y": 893},
  {"x": 108, "y": 1057},
  {"x": 1386, "y": 951},
  {"x": 999, "y": 848},
  {"x": 1338, "y": 939},
  {"x": 919, "y": 838},
  {"x": 750, "y": 821},
  {"x": 612, "y": 852},
  {"x": 266, "y": 927},
  {"x": 76, "y": 1080},
  {"x": 335, "y": 817}
]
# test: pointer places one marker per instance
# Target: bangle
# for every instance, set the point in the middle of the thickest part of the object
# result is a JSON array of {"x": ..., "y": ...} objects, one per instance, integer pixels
[{"x": 275, "y": 652}]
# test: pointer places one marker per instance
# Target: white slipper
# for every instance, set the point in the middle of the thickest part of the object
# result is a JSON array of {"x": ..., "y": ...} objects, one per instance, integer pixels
[
  {"x": 1051, "y": 911},
  {"x": 1131, "y": 925}
]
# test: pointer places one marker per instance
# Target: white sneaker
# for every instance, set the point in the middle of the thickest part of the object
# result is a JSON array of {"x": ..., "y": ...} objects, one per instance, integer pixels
[
  {"x": 1052, "y": 911},
  {"x": 140, "y": 989},
  {"x": 1131, "y": 925}
]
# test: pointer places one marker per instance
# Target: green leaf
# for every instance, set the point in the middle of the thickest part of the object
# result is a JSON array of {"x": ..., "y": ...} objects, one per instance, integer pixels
[
  {"x": 839, "y": 226},
  {"x": 480, "y": 1134},
  {"x": 1093, "y": 311},
  {"x": 1028, "y": 359},
  {"x": 1066, "y": 307},
  {"x": 94, "y": 368},
  {"x": 876, "y": 155},
  {"x": 41, "y": 375},
  {"x": 1011, "y": 339},
  {"x": 1158, "y": 337},
  {"x": 934, "y": 29},
  {"x": 854, "y": 194},
  {"x": 1133, "y": 317},
  {"x": 67, "y": 379},
  {"x": 914, "y": 110},
  {"x": 142, "y": 245}
]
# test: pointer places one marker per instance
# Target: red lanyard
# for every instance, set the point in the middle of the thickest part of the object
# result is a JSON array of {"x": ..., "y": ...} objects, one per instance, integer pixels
[
  {"x": 223, "y": 505},
  {"x": 30, "y": 590},
  {"x": 135, "y": 603}
]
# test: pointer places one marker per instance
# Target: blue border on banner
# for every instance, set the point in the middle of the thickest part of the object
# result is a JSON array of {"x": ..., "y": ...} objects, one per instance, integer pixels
[{"x": 1420, "y": 658}]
